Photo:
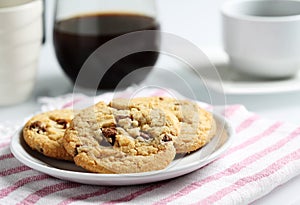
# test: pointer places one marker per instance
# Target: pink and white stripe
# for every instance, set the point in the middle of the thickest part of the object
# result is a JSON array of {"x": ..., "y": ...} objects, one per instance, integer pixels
[
  {"x": 234, "y": 170},
  {"x": 244, "y": 181}
]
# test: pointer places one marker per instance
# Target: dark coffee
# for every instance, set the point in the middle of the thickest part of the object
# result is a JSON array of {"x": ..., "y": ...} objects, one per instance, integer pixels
[{"x": 75, "y": 39}]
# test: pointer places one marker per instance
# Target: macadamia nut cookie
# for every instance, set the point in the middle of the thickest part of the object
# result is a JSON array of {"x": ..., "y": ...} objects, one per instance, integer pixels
[
  {"x": 106, "y": 139},
  {"x": 44, "y": 133},
  {"x": 196, "y": 125}
]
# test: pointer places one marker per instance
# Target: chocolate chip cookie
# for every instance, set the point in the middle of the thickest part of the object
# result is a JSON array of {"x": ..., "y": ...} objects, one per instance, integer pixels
[
  {"x": 44, "y": 133},
  {"x": 196, "y": 125},
  {"x": 105, "y": 139}
]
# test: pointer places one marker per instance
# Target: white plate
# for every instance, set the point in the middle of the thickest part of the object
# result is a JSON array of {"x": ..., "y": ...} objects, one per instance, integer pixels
[
  {"x": 180, "y": 166},
  {"x": 235, "y": 83}
]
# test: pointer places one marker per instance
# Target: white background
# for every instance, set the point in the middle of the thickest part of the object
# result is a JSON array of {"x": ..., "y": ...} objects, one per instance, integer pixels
[{"x": 199, "y": 22}]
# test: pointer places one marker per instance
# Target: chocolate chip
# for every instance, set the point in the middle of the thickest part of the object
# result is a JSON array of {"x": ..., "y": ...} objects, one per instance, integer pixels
[
  {"x": 109, "y": 131},
  {"x": 110, "y": 134},
  {"x": 167, "y": 138},
  {"x": 161, "y": 98},
  {"x": 37, "y": 125},
  {"x": 76, "y": 150},
  {"x": 62, "y": 122}
]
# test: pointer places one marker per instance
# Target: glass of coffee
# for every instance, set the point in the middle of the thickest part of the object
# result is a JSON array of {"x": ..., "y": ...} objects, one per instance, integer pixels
[{"x": 82, "y": 26}]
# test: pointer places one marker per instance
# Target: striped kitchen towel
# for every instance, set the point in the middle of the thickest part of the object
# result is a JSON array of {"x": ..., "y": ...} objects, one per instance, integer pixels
[{"x": 264, "y": 154}]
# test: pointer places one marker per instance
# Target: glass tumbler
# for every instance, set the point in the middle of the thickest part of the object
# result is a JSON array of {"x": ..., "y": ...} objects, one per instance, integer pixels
[{"x": 82, "y": 26}]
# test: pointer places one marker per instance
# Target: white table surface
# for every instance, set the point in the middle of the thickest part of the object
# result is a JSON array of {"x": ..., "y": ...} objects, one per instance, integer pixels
[{"x": 199, "y": 22}]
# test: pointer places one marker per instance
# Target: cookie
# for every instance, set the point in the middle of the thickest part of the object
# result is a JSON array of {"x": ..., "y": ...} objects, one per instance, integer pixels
[
  {"x": 197, "y": 126},
  {"x": 44, "y": 133},
  {"x": 104, "y": 139}
]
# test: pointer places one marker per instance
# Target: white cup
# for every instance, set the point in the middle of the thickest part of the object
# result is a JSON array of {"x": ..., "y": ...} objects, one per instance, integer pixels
[
  {"x": 262, "y": 37},
  {"x": 20, "y": 43}
]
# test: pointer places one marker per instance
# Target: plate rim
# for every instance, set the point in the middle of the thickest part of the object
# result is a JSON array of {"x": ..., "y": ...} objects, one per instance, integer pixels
[{"x": 117, "y": 179}]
